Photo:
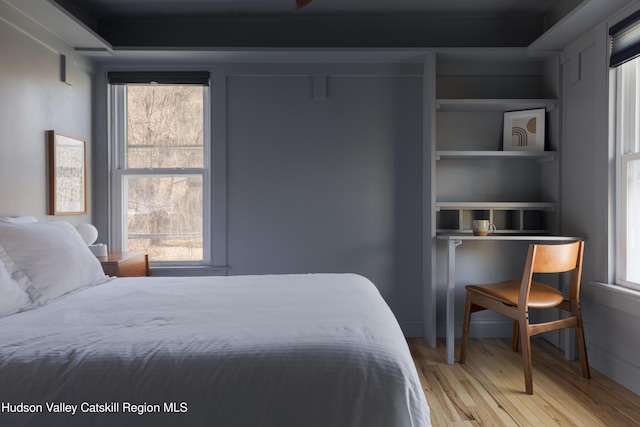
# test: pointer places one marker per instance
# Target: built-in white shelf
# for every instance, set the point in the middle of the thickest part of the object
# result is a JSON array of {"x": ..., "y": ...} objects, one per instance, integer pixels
[
  {"x": 497, "y": 205},
  {"x": 479, "y": 105},
  {"x": 540, "y": 156},
  {"x": 508, "y": 217},
  {"x": 467, "y": 232},
  {"x": 469, "y": 171}
]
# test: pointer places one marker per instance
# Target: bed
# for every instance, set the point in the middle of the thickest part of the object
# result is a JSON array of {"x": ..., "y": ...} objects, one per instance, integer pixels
[{"x": 274, "y": 350}]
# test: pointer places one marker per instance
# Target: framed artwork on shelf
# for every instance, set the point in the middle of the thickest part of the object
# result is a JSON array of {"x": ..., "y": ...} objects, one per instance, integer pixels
[
  {"x": 67, "y": 174},
  {"x": 524, "y": 130}
]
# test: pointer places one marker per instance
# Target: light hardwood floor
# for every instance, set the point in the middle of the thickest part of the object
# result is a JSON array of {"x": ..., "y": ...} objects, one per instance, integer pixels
[{"x": 488, "y": 390}]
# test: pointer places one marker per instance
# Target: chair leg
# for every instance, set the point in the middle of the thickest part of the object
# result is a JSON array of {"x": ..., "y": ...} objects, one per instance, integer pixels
[
  {"x": 582, "y": 348},
  {"x": 515, "y": 337},
  {"x": 465, "y": 329},
  {"x": 525, "y": 341}
]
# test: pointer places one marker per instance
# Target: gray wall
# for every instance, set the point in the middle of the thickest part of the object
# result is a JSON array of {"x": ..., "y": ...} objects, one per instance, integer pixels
[
  {"x": 331, "y": 185},
  {"x": 317, "y": 181},
  {"x": 612, "y": 317},
  {"x": 33, "y": 99},
  {"x": 355, "y": 202},
  {"x": 328, "y": 185}
]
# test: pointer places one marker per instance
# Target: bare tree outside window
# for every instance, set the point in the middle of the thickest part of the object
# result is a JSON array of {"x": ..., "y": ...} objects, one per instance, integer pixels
[{"x": 164, "y": 210}]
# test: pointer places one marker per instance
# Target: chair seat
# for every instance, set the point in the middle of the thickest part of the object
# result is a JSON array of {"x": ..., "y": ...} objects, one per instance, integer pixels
[{"x": 540, "y": 295}]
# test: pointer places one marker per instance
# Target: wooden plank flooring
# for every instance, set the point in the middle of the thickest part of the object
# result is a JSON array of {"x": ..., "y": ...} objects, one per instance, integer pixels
[{"x": 488, "y": 390}]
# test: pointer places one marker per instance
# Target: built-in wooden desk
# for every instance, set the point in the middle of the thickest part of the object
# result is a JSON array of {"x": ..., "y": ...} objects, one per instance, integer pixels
[{"x": 453, "y": 241}]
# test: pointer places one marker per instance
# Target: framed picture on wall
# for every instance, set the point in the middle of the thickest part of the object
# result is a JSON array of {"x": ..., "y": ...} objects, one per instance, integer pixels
[
  {"x": 524, "y": 130},
  {"x": 67, "y": 174}
]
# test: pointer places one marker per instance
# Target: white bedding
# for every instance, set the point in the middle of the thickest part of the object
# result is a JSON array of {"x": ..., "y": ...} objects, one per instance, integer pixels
[{"x": 273, "y": 351}]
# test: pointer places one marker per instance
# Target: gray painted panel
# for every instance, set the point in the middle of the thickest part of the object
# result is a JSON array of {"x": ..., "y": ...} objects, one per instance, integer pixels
[
  {"x": 328, "y": 185},
  {"x": 612, "y": 319}
]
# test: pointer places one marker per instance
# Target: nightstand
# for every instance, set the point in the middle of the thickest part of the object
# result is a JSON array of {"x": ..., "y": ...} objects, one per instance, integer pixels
[{"x": 125, "y": 264}]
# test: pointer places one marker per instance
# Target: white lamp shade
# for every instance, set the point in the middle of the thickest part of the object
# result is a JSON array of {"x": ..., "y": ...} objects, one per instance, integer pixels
[{"x": 88, "y": 232}]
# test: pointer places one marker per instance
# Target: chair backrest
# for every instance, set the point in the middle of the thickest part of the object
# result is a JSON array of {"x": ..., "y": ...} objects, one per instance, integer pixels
[
  {"x": 557, "y": 258},
  {"x": 553, "y": 258}
]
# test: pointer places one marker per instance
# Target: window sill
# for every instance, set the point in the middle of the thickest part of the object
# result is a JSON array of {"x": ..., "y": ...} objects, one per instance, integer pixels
[
  {"x": 188, "y": 271},
  {"x": 616, "y": 297}
]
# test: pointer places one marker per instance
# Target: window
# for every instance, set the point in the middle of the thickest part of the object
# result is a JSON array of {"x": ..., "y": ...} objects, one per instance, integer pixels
[
  {"x": 160, "y": 168},
  {"x": 625, "y": 47}
]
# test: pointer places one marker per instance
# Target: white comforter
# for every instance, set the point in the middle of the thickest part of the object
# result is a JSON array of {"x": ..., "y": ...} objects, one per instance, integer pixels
[{"x": 275, "y": 351}]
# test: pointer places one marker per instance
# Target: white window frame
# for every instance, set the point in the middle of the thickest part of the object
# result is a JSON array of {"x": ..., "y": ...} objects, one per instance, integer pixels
[
  {"x": 118, "y": 173},
  {"x": 624, "y": 155}
]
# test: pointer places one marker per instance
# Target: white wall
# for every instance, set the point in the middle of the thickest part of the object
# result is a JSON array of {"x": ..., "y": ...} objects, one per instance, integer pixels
[
  {"x": 33, "y": 99},
  {"x": 612, "y": 319}
]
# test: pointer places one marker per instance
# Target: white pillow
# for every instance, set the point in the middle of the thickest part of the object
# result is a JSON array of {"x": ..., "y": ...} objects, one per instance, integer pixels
[
  {"x": 18, "y": 219},
  {"x": 48, "y": 259},
  {"x": 12, "y": 297}
]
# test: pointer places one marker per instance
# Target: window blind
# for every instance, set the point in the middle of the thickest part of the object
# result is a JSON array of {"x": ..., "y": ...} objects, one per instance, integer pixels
[
  {"x": 159, "y": 77},
  {"x": 625, "y": 40}
]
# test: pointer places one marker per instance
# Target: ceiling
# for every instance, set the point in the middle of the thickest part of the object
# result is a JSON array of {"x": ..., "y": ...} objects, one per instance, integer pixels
[
  {"x": 201, "y": 24},
  {"x": 131, "y": 28},
  {"x": 106, "y": 9}
]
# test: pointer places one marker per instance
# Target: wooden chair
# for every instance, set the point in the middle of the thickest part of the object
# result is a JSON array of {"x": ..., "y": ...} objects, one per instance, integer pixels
[{"x": 513, "y": 299}]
